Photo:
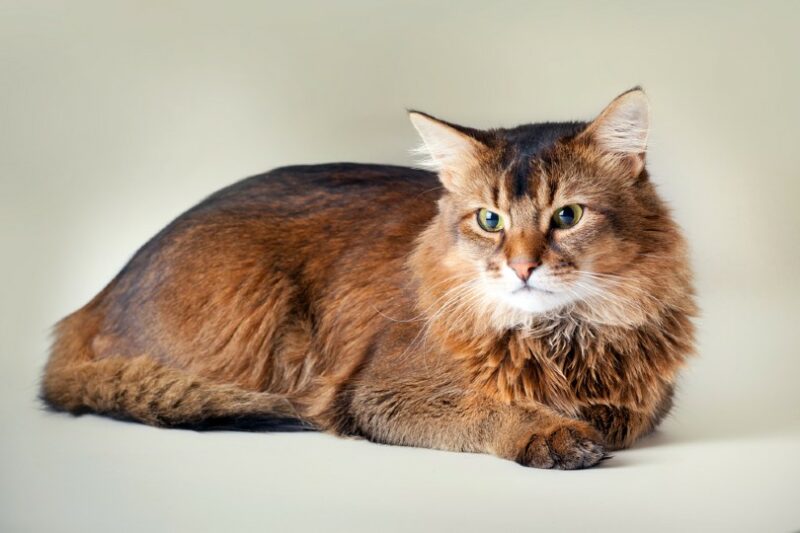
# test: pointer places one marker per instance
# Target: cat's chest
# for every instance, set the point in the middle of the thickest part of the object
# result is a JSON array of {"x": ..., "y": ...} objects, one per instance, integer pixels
[{"x": 564, "y": 370}]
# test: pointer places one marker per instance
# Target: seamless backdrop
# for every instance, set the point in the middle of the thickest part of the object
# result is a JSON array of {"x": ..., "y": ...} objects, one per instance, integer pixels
[{"x": 117, "y": 116}]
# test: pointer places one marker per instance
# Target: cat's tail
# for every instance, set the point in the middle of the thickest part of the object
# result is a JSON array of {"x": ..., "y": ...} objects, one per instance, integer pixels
[{"x": 146, "y": 390}]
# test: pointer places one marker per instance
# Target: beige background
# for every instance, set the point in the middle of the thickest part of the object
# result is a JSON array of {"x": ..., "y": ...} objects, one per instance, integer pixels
[{"x": 116, "y": 116}]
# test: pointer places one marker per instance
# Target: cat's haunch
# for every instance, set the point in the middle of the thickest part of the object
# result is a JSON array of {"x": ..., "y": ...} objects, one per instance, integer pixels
[{"x": 528, "y": 297}]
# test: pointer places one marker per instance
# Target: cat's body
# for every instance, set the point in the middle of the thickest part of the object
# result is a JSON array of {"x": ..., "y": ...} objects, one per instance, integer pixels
[{"x": 344, "y": 295}]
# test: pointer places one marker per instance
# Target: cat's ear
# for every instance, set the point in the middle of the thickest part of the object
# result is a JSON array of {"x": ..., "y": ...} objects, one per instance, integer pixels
[
  {"x": 446, "y": 149},
  {"x": 621, "y": 130}
]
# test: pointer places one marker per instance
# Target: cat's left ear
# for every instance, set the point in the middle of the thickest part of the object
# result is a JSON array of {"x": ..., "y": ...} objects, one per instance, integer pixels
[
  {"x": 622, "y": 129},
  {"x": 448, "y": 149}
]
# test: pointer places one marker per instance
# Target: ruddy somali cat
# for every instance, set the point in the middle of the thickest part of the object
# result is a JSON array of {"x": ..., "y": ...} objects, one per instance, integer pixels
[{"x": 532, "y": 301}]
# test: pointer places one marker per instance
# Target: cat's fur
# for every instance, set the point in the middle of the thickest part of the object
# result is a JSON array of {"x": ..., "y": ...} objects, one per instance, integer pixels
[{"x": 366, "y": 300}]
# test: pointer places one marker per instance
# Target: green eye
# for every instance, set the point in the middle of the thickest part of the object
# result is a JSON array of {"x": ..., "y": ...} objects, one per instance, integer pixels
[
  {"x": 489, "y": 220},
  {"x": 567, "y": 216}
]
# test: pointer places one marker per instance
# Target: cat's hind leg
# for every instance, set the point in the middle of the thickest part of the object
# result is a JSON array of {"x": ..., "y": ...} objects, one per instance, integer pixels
[{"x": 145, "y": 390}]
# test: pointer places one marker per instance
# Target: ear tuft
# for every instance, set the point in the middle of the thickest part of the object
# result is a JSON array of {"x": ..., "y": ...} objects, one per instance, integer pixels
[
  {"x": 623, "y": 127},
  {"x": 444, "y": 149}
]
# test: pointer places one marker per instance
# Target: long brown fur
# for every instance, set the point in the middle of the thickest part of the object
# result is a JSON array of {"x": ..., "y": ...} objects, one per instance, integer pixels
[{"x": 344, "y": 296}]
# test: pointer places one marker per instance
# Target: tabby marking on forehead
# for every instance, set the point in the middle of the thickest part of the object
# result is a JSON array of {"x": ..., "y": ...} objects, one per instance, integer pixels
[{"x": 522, "y": 174}]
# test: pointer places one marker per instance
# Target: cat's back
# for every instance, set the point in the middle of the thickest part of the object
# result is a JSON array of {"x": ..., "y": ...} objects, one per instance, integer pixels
[
  {"x": 300, "y": 190},
  {"x": 291, "y": 208},
  {"x": 316, "y": 230}
]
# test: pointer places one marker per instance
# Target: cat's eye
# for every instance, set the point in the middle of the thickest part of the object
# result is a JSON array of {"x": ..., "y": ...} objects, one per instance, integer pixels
[
  {"x": 567, "y": 216},
  {"x": 489, "y": 220}
]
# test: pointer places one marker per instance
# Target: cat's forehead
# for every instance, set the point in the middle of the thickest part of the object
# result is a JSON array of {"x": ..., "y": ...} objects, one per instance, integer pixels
[
  {"x": 535, "y": 139},
  {"x": 524, "y": 190},
  {"x": 531, "y": 171}
]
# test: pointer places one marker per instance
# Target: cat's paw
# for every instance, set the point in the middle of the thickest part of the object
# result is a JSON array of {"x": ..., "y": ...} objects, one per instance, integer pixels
[{"x": 568, "y": 447}]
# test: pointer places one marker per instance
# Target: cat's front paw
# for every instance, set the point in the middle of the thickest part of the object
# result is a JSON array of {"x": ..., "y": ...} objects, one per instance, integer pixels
[{"x": 568, "y": 447}]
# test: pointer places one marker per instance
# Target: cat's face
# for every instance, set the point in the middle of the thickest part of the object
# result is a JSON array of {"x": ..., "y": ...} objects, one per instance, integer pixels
[
  {"x": 542, "y": 246},
  {"x": 544, "y": 217}
]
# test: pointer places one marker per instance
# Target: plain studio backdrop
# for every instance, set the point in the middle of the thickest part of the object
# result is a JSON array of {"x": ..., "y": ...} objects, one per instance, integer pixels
[{"x": 117, "y": 116}]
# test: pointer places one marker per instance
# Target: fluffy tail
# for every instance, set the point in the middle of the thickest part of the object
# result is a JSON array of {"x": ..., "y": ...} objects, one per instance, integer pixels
[{"x": 144, "y": 389}]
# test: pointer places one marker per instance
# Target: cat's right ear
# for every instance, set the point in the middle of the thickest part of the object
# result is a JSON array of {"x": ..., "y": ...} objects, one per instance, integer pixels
[
  {"x": 622, "y": 129},
  {"x": 445, "y": 149}
]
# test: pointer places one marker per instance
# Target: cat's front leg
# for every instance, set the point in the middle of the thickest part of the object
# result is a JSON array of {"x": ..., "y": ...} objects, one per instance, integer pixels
[
  {"x": 620, "y": 426},
  {"x": 421, "y": 414}
]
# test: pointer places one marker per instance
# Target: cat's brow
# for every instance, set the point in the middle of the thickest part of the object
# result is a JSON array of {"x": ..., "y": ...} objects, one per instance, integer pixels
[
  {"x": 526, "y": 181},
  {"x": 520, "y": 176},
  {"x": 547, "y": 189}
]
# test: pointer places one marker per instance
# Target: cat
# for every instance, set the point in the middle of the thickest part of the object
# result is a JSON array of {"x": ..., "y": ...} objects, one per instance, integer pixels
[{"x": 529, "y": 296}]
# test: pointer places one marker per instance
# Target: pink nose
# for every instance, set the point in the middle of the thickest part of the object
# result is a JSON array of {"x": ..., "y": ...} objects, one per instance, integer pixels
[{"x": 523, "y": 267}]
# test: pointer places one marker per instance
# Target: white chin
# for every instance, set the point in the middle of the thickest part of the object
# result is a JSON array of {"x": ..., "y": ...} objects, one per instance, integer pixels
[
  {"x": 530, "y": 298},
  {"x": 535, "y": 301}
]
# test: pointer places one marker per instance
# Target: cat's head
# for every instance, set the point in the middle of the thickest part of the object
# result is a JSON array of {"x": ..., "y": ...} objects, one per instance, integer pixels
[{"x": 544, "y": 219}]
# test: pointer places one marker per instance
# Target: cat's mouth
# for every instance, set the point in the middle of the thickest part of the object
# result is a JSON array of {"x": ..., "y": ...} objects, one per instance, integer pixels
[{"x": 530, "y": 289}]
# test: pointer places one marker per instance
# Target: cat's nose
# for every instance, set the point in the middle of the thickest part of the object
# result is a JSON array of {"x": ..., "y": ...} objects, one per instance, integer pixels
[{"x": 523, "y": 267}]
